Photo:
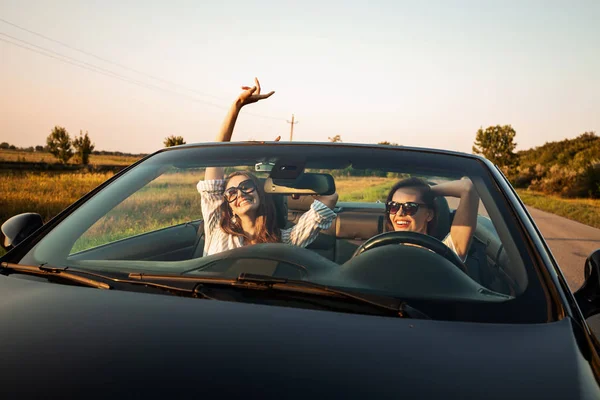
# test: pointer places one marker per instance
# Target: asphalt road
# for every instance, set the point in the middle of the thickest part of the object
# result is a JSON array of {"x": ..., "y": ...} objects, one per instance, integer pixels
[{"x": 570, "y": 242}]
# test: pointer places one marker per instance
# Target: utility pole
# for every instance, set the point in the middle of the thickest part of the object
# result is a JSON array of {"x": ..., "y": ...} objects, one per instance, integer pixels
[{"x": 292, "y": 123}]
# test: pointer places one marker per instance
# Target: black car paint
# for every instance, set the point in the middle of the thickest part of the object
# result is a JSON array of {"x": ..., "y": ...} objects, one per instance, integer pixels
[
  {"x": 132, "y": 343},
  {"x": 556, "y": 282},
  {"x": 62, "y": 341}
]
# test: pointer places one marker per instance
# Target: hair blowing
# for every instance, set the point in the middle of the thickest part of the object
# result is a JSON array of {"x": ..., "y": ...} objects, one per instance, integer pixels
[
  {"x": 267, "y": 230},
  {"x": 427, "y": 197}
]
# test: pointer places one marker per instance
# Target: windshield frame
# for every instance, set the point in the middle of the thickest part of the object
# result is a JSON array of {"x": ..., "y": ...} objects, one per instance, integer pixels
[{"x": 362, "y": 155}]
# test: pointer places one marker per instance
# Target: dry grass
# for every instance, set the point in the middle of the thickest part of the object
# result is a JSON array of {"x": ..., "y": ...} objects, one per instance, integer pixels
[
  {"x": 45, "y": 193},
  {"x": 172, "y": 199},
  {"x": 367, "y": 189},
  {"x": 43, "y": 157},
  {"x": 586, "y": 211},
  {"x": 169, "y": 200}
]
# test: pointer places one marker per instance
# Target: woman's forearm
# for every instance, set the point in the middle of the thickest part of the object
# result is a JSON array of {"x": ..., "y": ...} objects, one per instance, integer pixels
[
  {"x": 457, "y": 188},
  {"x": 224, "y": 135},
  {"x": 228, "y": 124}
]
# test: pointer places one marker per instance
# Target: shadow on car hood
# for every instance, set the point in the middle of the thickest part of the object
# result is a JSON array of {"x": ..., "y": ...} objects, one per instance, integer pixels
[{"x": 69, "y": 339}]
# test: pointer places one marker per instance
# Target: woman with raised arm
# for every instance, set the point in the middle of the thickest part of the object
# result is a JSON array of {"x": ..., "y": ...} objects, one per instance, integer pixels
[
  {"x": 410, "y": 206},
  {"x": 237, "y": 211}
]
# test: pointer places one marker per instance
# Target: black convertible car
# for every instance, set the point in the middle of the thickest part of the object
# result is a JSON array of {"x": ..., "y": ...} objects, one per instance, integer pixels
[{"x": 116, "y": 295}]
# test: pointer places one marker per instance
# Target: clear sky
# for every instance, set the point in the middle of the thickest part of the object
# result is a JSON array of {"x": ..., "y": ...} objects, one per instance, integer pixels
[{"x": 420, "y": 73}]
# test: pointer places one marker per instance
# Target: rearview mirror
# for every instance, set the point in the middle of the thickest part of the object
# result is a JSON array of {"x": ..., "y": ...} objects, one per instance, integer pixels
[
  {"x": 17, "y": 228},
  {"x": 304, "y": 184},
  {"x": 588, "y": 295}
]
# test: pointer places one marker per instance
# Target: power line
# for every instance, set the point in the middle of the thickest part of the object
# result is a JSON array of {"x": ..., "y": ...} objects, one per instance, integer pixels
[
  {"x": 99, "y": 70},
  {"x": 108, "y": 61},
  {"x": 107, "y": 72}
]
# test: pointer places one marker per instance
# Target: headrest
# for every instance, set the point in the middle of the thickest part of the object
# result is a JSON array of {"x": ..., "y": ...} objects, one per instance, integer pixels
[
  {"x": 359, "y": 226},
  {"x": 442, "y": 218},
  {"x": 301, "y": 204},
  {"x": 281, "y": 212}
]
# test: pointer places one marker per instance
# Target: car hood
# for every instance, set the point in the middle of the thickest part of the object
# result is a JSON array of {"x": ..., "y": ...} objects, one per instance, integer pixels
[{"x": 66, "y": 340}]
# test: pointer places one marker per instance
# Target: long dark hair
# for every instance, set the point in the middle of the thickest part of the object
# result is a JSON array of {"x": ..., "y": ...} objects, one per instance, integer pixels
[
  {"x": 267, "y": 230},
  {"x": 427, "y": 197}
]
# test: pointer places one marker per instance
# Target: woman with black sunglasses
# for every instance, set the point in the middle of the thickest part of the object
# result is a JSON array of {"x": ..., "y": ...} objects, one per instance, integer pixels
[
  {"x": 410, "y": 206},
  {"x": 236, "y": 210}
]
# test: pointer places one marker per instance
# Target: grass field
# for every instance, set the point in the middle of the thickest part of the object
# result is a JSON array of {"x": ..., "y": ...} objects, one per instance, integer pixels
[
  {"x": 169, "y": 200},
  {"x": 173, "y": 199},
  {"x": 23, "y": 156},
  {"x": 586, "y": 211}
]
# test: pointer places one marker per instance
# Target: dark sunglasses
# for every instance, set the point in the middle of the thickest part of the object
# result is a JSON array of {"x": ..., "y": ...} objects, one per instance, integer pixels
[
  {"x": 409, "y": 208},
  {"x": 245, "y": 187}
]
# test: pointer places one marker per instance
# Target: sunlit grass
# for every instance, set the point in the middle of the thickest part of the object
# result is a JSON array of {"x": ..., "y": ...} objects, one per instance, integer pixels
[
  {"x": 45, "y": 193},
  {"x": 586, "y": 211},
  {"x": 169, "y": 200},
  {"x": 172, "y": 199},
  {"x": 43, "y": 157}
]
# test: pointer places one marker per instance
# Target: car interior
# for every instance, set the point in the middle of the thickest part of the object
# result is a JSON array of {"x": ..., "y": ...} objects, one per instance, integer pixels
[
  {"x": 487, "y": 262},
  {"x": 355, "y": 223}
]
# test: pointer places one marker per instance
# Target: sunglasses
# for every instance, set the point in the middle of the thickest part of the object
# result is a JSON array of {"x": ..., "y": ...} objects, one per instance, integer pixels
[
  {"x": 409, "y": 208},
  {"x": 245, "y": 187}
]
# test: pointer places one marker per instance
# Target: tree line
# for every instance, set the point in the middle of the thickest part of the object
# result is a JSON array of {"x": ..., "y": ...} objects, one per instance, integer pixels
[
  {"x": 60, "y": 144},
  {"x": 568, "y": 168}
]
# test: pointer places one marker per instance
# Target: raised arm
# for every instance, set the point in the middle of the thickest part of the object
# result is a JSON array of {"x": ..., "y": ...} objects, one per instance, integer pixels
[
  {"x": 465, "y": 219},
  {"x": 248, "y": 96},
  {"x": 330, "y": 200}
]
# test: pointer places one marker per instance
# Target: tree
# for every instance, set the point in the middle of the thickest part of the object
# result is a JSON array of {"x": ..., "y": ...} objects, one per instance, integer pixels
[
  {"x": 59, "y": 144},
  {"x": 84, "y": 147},
  {"x": 173, "y": 141},
  {"x": 4, "y": 145},
  {"x": 336, "y": 138},
  {"x": 39, "y": 148},
  {"x": 497, "y": 144}
]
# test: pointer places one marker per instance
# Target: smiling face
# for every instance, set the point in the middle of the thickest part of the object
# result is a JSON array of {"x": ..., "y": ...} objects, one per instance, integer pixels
[
  {"x": 244, "y": 203},
  {"x": 416, "y": 222}
]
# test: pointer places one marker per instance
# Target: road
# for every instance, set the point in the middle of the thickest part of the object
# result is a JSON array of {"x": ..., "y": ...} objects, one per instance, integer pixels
[{"x": 570, "y": 242}]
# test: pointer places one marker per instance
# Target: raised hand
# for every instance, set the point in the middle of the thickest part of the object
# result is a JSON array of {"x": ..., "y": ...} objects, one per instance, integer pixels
[{"x": 251, "y": 94}]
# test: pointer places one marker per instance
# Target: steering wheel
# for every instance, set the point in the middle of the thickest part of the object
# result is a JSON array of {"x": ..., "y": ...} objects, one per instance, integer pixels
[{"x": 409, "y": 237}]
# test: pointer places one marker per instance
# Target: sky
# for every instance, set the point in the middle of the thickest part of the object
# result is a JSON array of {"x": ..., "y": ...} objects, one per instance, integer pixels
[{"x": 426, "y": 74}]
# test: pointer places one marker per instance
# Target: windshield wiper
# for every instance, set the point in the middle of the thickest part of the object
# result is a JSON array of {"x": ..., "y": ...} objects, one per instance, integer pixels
[
  {"x": 51, "y": 272},
  {"x": 193, "y": 285},
  {"x": 391, "y": 305},
  {"x": 74, "y": 275}
]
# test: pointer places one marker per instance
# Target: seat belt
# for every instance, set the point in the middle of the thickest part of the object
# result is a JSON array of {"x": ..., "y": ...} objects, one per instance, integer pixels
[{"x": 199, "y": 237}]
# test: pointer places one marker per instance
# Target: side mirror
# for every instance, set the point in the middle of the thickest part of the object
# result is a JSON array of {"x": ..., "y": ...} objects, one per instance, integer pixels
[
  {"x": 588, "y": 295},
  {"x": 17, "y": 228}
]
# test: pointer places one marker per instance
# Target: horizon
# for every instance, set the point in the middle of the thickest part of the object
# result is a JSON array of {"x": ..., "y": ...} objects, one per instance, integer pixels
[{"x": 419, "y": 75}]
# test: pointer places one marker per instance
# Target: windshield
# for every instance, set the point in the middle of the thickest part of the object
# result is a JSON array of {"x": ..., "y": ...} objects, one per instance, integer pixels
[{"x": 159, "y": 217}]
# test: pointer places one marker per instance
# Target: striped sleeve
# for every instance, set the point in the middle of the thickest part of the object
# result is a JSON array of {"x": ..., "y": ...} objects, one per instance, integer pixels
[
  {"x": 211, "y": 197},
  {"x": 317, "y": 218}
]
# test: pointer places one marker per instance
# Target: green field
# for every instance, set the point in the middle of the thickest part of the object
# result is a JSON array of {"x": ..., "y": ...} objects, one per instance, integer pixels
[
  {"x": 586, "y": 211},
  {"x": 169, "y": 200},
  {"x": 173, "y": 199}
]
